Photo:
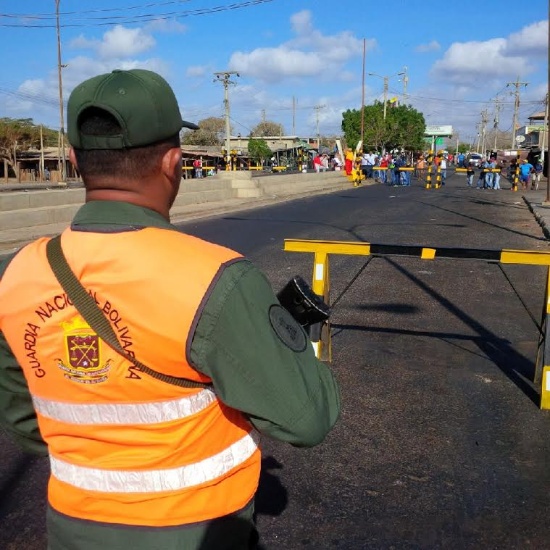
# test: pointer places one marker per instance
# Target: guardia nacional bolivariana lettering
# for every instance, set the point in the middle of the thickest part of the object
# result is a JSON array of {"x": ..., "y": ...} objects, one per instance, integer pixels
[{"x": 48, "y": 310}]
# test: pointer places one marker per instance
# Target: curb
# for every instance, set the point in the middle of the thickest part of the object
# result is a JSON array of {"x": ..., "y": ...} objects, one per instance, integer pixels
[{"x": 542, "y": 220}]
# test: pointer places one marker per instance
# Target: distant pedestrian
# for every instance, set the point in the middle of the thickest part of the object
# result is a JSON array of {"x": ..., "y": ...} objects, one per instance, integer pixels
[
  {"x": 482, "y": 172},
  {"x": 489, "y": 176},
  {"x": 47, "y": 174},
  {"x": 317, "y": 163},
  {"x": 496, "y": 176},
  {"x": 537, "y": 173},
  {"x": 470, "y": 175},
  {"x": 525, "y": 170},
  {"x": 443, "y": 169},
  {"x": 420, "y": 167},
  {"x": 348, "y": 166},
  {"x": 197, "y": 165}
]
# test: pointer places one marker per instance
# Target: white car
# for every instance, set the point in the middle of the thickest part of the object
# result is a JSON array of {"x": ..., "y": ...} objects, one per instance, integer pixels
[{"x": 474, "y": 159}]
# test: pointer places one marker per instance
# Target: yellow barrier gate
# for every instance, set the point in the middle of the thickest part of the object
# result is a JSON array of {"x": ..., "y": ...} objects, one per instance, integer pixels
[{"x": 321, "y": 337}]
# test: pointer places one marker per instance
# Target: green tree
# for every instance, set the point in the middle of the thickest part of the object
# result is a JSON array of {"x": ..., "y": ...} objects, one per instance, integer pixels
[
  {"x": 267, "y": 128},
  {"x": 211, "y": 132},
  {"x": 258, "y": 149},
  {"x": 403, "y": 127},
  {"x": 351, "y": 126},
  {"x": 21, "y": 134},
  {"x": 406, "y": 127}
]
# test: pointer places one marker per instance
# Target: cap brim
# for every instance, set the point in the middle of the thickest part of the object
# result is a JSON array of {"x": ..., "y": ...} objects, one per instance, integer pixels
[{"x": 189, "y": 125}]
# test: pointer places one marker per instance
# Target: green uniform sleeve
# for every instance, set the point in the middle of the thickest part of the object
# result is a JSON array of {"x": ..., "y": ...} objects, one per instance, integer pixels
[
  {"x": 17, "y": 414},
  {"x": 286, "y": 393}
]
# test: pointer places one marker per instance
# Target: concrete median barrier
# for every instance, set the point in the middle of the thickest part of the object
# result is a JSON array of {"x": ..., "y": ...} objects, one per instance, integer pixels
[{"x": 27, "y": 213}]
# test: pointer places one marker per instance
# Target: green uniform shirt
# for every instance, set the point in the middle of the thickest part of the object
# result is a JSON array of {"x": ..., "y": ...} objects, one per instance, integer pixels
[{"x": 286, "y": 394}]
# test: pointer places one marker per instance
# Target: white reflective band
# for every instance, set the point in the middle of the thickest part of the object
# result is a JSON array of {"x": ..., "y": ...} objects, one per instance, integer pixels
[
  {"x": 154, "y": 481},
  {"x": 127, "y": 413},
  {"x": 319, "y": 271}
]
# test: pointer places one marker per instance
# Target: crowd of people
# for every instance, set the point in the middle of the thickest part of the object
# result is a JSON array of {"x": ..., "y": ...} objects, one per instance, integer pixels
[{"x": 397, "y": 168}]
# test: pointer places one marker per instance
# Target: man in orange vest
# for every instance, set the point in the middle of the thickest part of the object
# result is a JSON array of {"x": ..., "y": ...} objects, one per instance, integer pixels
[{"x": 138, "y": 460}]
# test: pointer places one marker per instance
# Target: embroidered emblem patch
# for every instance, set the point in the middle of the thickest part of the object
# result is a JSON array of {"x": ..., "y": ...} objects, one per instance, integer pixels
[
  {"x": 287, "y": 328},
  {"x": 83, "y": 350}
]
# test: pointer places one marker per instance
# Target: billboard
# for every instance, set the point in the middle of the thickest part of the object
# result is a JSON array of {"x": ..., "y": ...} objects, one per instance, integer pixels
[{"x": 439, "y": 131}]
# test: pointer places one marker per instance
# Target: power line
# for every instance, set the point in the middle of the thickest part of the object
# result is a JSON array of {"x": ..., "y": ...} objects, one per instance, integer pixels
[
  {"x": 447, "y": 100},
  {"x": 45, "y": 21},
  {"x": 517, "y": 84}
]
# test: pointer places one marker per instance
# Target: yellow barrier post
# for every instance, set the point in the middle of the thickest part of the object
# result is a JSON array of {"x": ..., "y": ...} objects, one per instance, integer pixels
[
  {"x": 516, "y": 175},
  {"x": 320, "y": 333},
  {"x": 543, "y": 358},
  {"x": 357, "y": 173},
  {"x": 438, "y": 177},
  {"x": 429, "y": 178}
]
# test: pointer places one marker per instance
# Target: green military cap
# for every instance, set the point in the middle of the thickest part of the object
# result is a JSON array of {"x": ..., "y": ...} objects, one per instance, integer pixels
[{"x": 141, "y": 101}]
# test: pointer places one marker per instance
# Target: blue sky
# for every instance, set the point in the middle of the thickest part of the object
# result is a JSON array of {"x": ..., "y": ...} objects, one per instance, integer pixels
[{"x": 306, "y": 54}]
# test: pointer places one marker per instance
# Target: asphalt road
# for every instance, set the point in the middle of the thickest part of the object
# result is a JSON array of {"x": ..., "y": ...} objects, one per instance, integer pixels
[{"x": 441, "y": 443}]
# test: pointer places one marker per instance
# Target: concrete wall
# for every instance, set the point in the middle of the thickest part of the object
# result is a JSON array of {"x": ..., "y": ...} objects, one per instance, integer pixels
[{"x": 21, "y": 209}]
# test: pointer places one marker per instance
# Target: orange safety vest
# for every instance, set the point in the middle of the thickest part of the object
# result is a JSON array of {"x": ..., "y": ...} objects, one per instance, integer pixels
[{"x": 126, "y": 448}]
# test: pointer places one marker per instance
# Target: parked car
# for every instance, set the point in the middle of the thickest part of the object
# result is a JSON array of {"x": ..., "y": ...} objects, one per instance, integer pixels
[{"x": 474, "y": 159}]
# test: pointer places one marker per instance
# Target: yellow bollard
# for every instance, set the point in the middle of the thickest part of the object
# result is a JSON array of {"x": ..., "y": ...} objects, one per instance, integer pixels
[
  {"x": 320, "y": 337},
  {"x": 545, "y": 389}
]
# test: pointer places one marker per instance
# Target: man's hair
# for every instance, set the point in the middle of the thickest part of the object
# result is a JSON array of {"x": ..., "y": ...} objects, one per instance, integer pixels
[{"x": 129, "y": 163}]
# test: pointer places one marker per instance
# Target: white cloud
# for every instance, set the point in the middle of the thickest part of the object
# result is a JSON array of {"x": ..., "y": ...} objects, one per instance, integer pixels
[
  {"x": 195, "y": 71},
  {"x": 118, "y": 42},
  {"x": 309, "y": 54},
  {"x": 166, "y": 26},
  {"x": 531, "y": 40},
  {"x": 432, "y": 46},
  {"x": 470, "y": 63}
]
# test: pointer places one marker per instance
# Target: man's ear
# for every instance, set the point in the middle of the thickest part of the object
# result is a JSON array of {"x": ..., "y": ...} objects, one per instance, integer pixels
[
  {"x": 171, "y": 162},
  {"x": 72, "y": 158}
]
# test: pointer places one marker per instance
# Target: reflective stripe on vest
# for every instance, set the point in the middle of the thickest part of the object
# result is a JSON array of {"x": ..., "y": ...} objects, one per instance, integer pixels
[
  {"x": 130, "y": 413},
  {"x": 154, "y": 481}
]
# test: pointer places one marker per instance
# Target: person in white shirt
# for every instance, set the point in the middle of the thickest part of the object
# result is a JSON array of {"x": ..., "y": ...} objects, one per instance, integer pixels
[{"x": 443, "y": 168}]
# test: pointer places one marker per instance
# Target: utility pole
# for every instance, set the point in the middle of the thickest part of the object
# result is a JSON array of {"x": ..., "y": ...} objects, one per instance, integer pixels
[
  {"x": 517, "y": 84},
  {"x": 225, "y": 78},
  {"x": 60, "y": 84},
  {"x": 41, "y": 154},
  {"x": 363, "y": 96},
  {"x": 405, "y": 84},
  {"x": 544, "y": 144},
  {"x": 386, "y": 79},
  {"x": 496, "y": 121},
  {"x": 317, "y": 109},
  {"x": 544, "y": 136},
  {"x": 293, "y": 116},
  {"x": 483, "y": 126}
]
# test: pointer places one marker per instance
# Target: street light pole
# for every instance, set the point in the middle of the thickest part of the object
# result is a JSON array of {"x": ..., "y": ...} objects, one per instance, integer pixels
[
  {"x": 386, "y": 86},
  {"x": 363, "y": 95},
  {"x": 60, "y": 84},
  {"x": 544, "y": 145},
  {"x": 385, "y": 95}
]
